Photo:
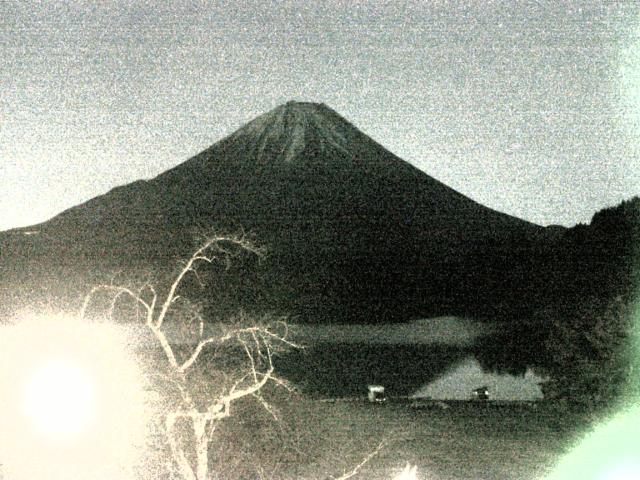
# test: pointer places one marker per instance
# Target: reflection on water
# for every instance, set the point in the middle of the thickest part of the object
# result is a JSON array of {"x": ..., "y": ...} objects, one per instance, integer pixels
[
  {"x": 458, "y": 382},
  {"x": 430, "y": 357},
  {"x": 345, "y": 369},
  {"x": 452, "y": 331}
]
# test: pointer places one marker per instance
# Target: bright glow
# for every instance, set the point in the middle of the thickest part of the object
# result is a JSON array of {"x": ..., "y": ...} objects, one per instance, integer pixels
[
  {"x": 611, "y": 451},
  {"x": 409, "y": 473},
  {"x": 623, "y": 471},
  {"x": 71, "y": 402},
  {"x": 59, "y": 399}
]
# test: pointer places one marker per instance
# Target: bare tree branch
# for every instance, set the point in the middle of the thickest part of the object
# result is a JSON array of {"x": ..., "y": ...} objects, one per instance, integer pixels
[
  {"x": 257, "y": 341},
  {"x": 178, "y": 453},
  {"x": 211, "y": 340},
  {"x": 357, "y": 468},
  {"x": 200, "y": 255},
  {"x": 118, "y": 291}
]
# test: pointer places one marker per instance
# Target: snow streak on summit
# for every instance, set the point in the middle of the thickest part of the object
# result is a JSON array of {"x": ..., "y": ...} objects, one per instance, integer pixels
[{"x": 290, "y": 127}]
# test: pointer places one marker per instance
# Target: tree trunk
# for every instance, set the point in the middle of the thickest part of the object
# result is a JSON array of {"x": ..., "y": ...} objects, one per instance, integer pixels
[
  {"x": 186, "y": 472},
  {"x": 202, "y": 447}
]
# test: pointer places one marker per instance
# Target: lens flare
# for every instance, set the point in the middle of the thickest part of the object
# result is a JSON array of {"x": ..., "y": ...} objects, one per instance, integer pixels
[
  {"x": 59, "y": 399},
  {"x": 611, "y": 451},
  {"x": 72, "y": 403}
]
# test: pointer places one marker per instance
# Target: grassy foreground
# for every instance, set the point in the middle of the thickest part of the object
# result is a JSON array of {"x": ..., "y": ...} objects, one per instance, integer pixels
[{"x": 465, "y": 441}]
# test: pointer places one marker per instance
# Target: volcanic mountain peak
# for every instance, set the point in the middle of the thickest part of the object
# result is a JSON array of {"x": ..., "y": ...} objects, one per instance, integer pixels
[
  {"x": 300, "y": 161},
  {"x": 289, "y": 129},
  {"x": 353, "y": 231}
]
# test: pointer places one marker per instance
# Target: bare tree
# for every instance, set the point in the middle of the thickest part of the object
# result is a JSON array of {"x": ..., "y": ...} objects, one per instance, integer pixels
[{"x": 190, "y": 410}]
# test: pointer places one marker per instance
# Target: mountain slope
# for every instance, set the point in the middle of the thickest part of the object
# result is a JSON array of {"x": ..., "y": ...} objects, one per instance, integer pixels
[{"x": 353, "y": 232}]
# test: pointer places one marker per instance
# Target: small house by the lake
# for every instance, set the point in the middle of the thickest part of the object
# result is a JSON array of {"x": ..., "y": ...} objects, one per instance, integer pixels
[
  {"x": 481, "y": 393},
  {"x": 376, "y": 394}
]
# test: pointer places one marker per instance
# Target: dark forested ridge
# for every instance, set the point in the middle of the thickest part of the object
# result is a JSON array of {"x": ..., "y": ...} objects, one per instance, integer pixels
[{"x": 580, "y": 307}]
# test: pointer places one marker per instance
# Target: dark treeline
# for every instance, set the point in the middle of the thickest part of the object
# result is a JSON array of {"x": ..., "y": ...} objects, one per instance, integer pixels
[{"x": 570, "y": 313}]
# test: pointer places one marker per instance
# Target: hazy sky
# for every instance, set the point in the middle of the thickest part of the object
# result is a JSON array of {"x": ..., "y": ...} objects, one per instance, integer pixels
[{"x": 531, "y": 108}]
